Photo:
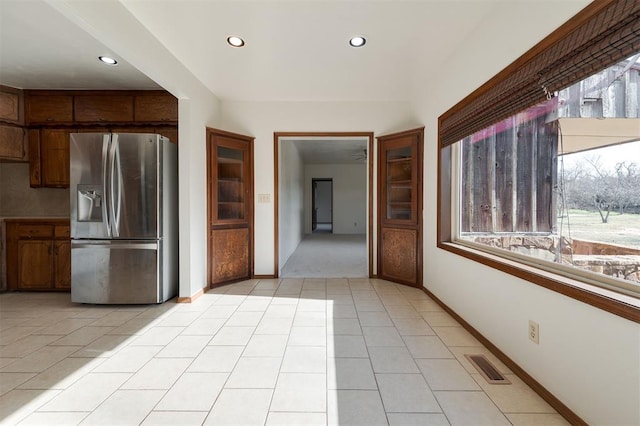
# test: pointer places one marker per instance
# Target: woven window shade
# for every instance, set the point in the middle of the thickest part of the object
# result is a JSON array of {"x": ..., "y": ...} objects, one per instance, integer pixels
[{"x": 604, "y": 33}]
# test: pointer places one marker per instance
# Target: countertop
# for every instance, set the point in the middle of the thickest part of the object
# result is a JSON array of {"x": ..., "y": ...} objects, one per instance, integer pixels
[{"x": 35, "y": 219}]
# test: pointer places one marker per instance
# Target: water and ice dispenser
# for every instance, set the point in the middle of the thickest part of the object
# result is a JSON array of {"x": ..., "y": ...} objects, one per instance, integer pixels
[{"x": 90, "y": 199}]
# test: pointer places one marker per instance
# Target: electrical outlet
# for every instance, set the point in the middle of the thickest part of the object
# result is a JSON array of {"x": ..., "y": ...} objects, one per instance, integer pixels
[{"x": 534, "y": 332}]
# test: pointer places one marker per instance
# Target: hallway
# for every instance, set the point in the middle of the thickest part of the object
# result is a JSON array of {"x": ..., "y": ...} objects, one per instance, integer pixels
[
  {"x": 274, "y": 352},
  {"x": 325, "y": 255}
]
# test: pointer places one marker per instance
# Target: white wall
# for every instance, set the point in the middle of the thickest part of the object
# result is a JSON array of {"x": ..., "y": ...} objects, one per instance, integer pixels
[
  {"x": 587, "y": 358},
  {"x": 262, "y": 119},
  {"x": 291, "y": 193},
  {"x": 349, "y": 196},
  {"x": 18, "y": 199},
  {"x": 195, "y": 115}
]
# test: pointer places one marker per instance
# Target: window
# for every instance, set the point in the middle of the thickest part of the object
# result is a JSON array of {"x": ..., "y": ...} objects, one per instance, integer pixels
[{"x": 547, "y": 189}]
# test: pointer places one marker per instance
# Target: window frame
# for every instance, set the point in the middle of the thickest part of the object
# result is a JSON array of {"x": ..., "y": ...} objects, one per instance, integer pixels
[{"x": 578, "y": 287}]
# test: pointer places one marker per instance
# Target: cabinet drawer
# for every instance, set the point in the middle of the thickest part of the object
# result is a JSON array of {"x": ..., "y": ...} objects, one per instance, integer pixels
[
  {"x": 62, "y": 232},
  {"x": 156, "y": 108},
  {"x": 112, "y": 108},
  {"x": 26, "y": 231},
  {"x": 49, "y": 109}
]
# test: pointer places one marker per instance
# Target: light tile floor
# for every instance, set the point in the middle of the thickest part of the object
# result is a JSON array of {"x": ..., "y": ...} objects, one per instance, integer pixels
[{"x": 259, "y": 352}]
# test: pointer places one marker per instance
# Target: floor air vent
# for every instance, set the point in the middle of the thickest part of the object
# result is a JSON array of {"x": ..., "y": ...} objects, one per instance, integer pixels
[{"x": 487, "y": 370}]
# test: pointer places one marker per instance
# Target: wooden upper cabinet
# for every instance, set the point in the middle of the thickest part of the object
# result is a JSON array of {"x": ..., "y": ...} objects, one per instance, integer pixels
[
  {"x": 156, "y": 107},
  {"x": 54, "y": 156},
  {"x": 103, "y": 108},
  {"x": 48, "y": 109},
  {"x": 10, "y": 105},
  {"x": 12, "y": 143}
]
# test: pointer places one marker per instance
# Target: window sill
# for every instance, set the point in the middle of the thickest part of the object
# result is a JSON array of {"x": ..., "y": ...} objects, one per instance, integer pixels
[{"x": 619, "y": 304}]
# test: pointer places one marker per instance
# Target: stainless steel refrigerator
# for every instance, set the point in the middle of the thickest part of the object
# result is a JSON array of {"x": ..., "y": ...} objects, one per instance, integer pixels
[{"x": 124, "y": 218}]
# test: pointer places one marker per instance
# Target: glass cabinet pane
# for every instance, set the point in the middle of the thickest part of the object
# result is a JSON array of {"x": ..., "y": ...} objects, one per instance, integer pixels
[
  {"x": 399, "y": 183},
  {"x": 230, "y": 183}
]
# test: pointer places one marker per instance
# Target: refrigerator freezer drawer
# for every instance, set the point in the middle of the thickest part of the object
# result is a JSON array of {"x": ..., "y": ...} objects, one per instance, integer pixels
[{"x": 116, "y": 272}]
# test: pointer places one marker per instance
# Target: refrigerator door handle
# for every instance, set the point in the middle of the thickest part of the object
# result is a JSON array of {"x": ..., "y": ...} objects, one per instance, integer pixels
[
  {"x": 114, "y": 190},
  {"x": 116, "y": 186},
  {"x": 120, "y": 245},
  {"x": 105, "y": 179}
]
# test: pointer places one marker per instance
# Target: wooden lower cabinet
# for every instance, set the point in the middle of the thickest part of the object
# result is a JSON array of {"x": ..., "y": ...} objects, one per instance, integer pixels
[
  {"x": 38, "y": 255},
  {"x": 35, "y": 264},
  {"x": 62, "y": 265}
]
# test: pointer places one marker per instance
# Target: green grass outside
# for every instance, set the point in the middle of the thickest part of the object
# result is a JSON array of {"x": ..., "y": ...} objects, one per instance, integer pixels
[{"x": 621, "y": 229}]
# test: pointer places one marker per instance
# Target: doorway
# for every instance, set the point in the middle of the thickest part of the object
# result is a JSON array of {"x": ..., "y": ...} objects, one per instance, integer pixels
[
  {"x": 299, "y": 158},
  {"x": 322, "y": 206}
]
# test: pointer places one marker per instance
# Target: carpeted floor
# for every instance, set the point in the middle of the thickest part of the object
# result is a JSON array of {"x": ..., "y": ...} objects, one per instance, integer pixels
[{"x": 328, "y": 256}]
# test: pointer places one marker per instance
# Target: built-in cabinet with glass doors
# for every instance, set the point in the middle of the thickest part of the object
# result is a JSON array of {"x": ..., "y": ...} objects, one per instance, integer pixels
[
  {"x": 400, "y": 207},
  {"x": 230, "y": 189}
]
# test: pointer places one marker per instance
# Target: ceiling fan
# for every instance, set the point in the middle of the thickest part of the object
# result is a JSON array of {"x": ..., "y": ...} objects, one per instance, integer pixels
[{"x": 360, "y": 154}]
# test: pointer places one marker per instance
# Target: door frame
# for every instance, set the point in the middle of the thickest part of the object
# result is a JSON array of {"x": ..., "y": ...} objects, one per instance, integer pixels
[
  {"x": 210, "y": 180},
  {"x": 370, "y": 192},
  {"x": 313, "y": 199}
]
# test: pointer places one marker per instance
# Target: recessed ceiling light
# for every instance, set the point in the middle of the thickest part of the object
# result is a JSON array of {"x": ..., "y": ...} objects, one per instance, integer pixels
[
  {"x": 235, "y": 41},
  {"x": 107, "y": 60},
  {"x": 357, "y": 41}
]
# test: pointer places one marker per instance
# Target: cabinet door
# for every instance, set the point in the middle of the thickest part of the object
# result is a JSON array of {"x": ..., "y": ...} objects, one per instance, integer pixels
[
  {"x": 230, "y": 189},
  {"x": 54, "y": 157},
  {"x": 156, "y": 108},
  {"x": 35, "y": 264},
  {"x": 62, "y": 264},
  {"x": 49, "y": 109},
  {"x": 400, "y": 208},
  {"x": 12, "y": 143},
  {"x": 9, "y": 106},
  {"x": 103, "y": 108}
]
